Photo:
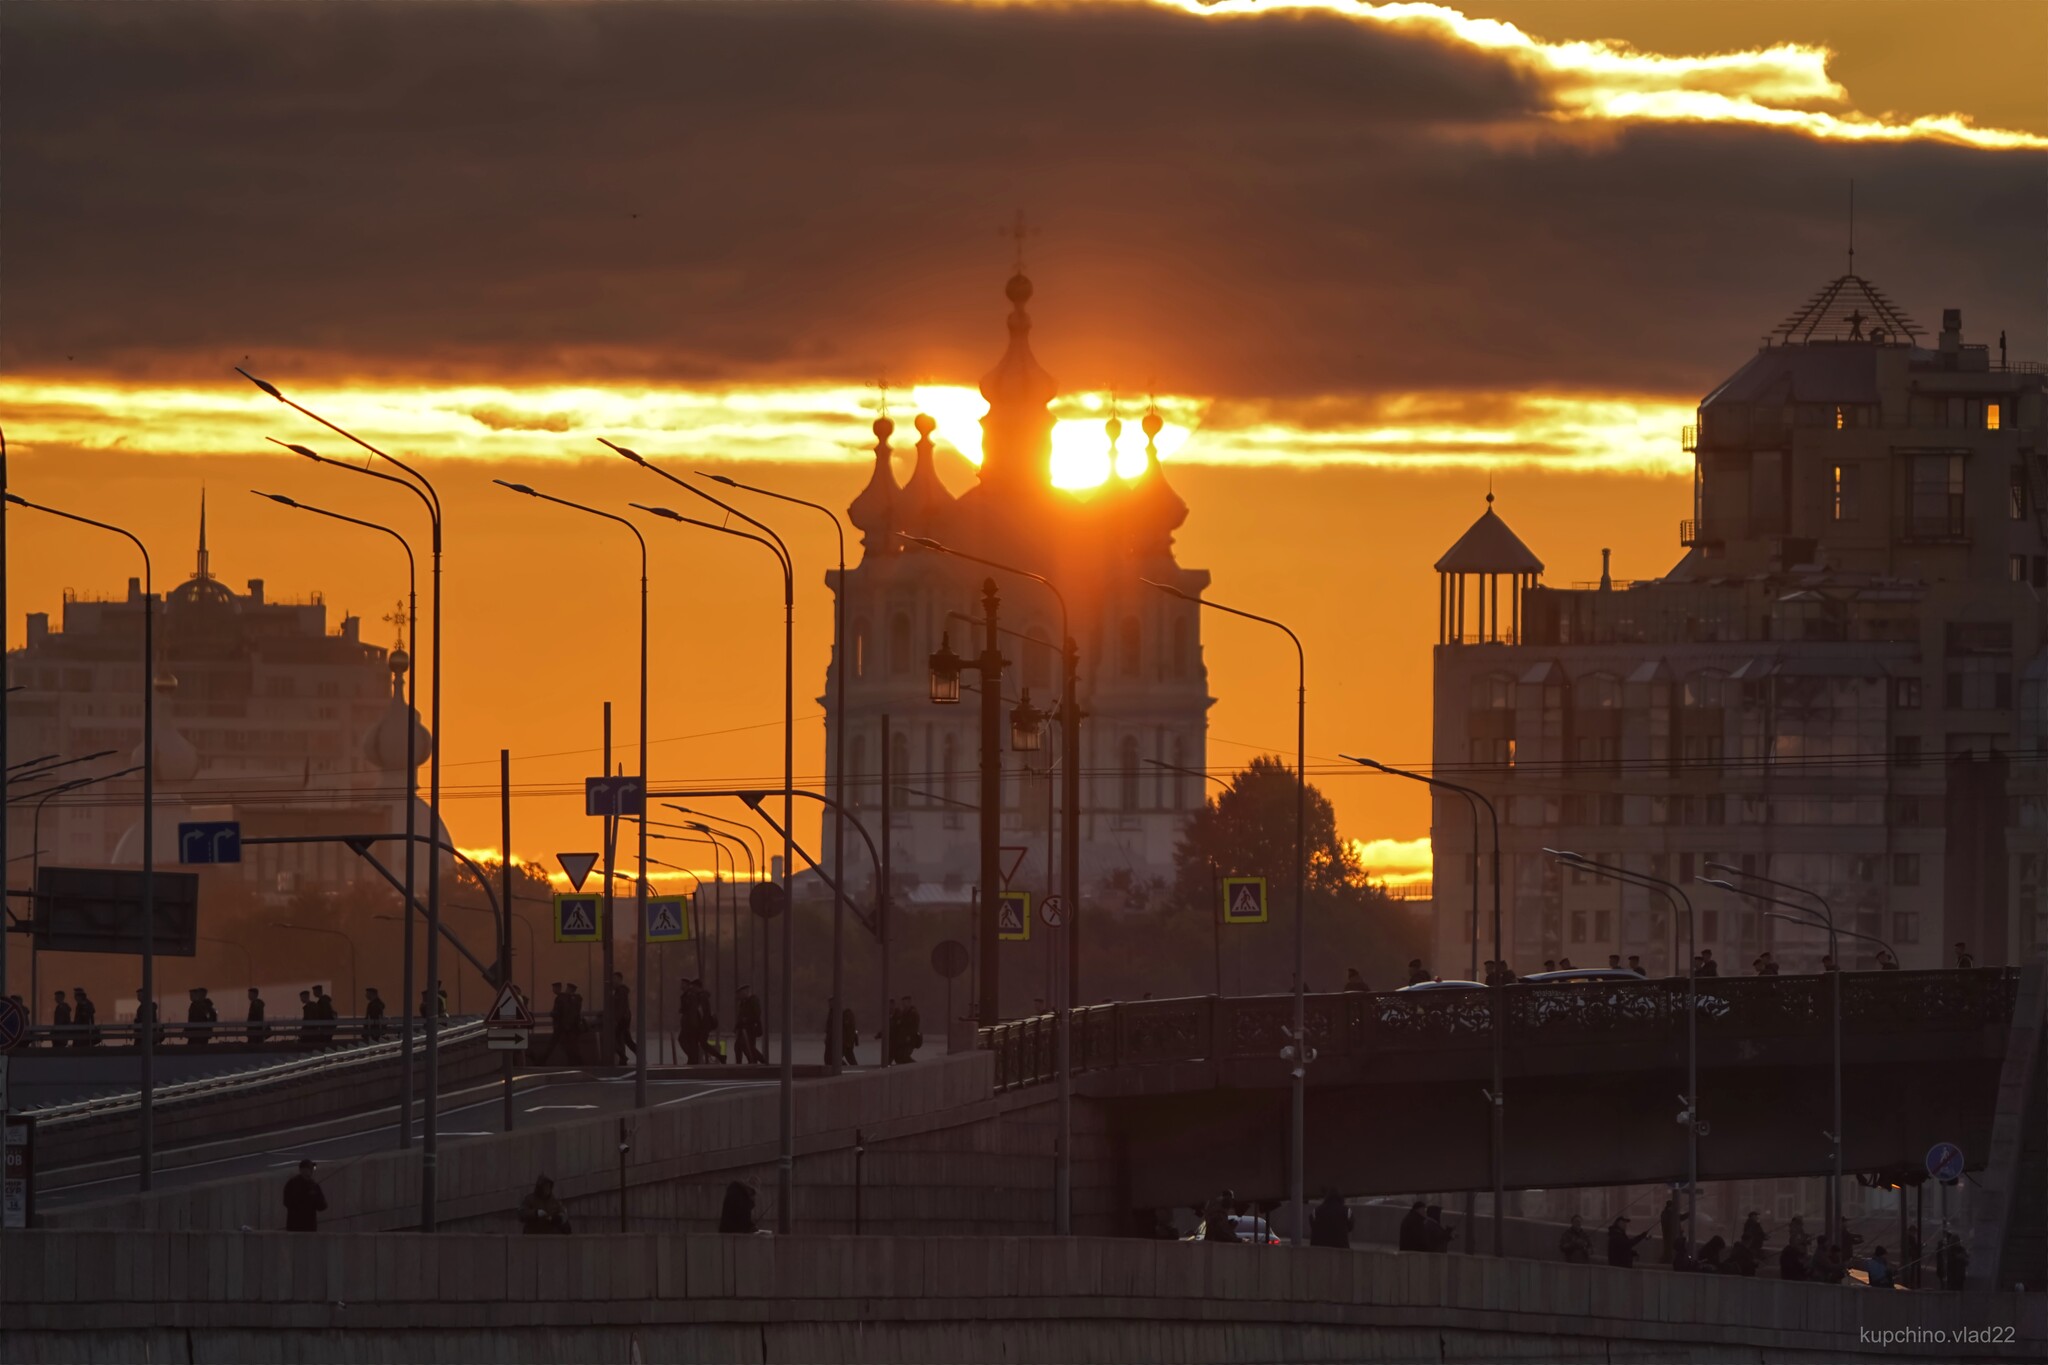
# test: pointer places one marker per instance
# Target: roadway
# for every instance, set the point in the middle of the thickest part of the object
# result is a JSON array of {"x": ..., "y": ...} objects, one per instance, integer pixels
[{"x": 540, "y": 1098}]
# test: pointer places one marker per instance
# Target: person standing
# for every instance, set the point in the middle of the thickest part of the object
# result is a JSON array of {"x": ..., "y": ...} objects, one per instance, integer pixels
[
  {"x": 1330, "y": 1225},
  {"x": 1621, "y": 1248},
  {"x": 1417, "y": 973},
  {"x": 1353, "y": 981},
  {"x": 747, "y": 1027},
  {"x": 373, "y": 1015},
  {"x": 1667, "y": 1225},
  {"x": 304, "y": 1201},
  {"x": 1412, "y": 1237},
  {"x": 60, "y": 1020},
  {"x": 85, "y": 1015},
  {"x": 737, "y": 1213},
  {"x": 1708, "y": 967},
  {"x": 258, "y": 1031},
  {"x": 913, "y": 1031},
  {"x": 1575, "y": 1244}
]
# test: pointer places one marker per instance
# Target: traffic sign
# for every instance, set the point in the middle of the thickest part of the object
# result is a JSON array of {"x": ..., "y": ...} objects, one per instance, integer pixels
[
  {"x": 579, "y": 917},
  {"x": 767, "y": 899},
  {"x": 209, "y": 841},
  {"x": 1244, "y": 900},
  {"x": 1945, "y": 1162},
  {"x": 949, "y": 958},
  {"x": 576, "y": 867},
  {"x": 668, "y": 919},
  {"x": 509, "y": 1025},
  {"x": 1013, "y": 917},
  {"x": 1053, "y": 911},
  {"x": 13, "y": 1024},
  {"x": 614, "y": 796}
]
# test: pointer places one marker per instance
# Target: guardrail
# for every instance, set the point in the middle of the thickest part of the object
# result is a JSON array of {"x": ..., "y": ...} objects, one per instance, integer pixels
[
  {"x": 1357, "y": 1024},
  {"x": 228, "y": 1036},
  {"x": 453, "y": 1032}
]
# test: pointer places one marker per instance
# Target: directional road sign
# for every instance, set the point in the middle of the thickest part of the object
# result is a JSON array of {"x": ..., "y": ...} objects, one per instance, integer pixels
[
  {"x": 1053, "y": 911},
  {"x": 614, "y": 796},
  {"x": 576, "y": 867},
  {"x": 1945, "y": 1162},
  {"x": 1013, "y": 917},
  {"x": 949, "y": 958},
  {"x": 1244, "y": 900},
  {"x": 13, "y": 1025},
  {"x": 668, "y": 919},
  {"x": 579, "y": 917},
  {"x": 210, "y": 841},
  {"x": 509, "y": 1025}
]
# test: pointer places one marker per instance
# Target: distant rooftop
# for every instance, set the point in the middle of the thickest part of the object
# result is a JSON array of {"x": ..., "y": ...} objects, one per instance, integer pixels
[{"x": 1848, "y": 308}]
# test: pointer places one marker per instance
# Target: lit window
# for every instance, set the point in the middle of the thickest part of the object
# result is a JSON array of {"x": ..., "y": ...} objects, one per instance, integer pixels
[
  {"x": 1993, "y": 412},
  {"x": 1845, "y": 493}
]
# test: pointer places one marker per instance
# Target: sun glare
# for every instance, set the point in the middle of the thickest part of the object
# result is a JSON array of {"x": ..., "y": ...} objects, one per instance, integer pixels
[{"x": 1080, "y": 444}]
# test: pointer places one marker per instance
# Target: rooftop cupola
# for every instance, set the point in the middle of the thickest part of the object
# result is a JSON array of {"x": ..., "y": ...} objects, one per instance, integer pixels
[
  {"x": 1487, "y": 552},
  {"x": 874, "y": 511},
  {"x": 1016, "y": 434},
  {"x": 924, "y": 501}
]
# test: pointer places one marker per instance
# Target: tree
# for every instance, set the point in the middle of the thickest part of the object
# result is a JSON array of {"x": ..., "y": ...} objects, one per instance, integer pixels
[{"x": 1248, "y": 830}]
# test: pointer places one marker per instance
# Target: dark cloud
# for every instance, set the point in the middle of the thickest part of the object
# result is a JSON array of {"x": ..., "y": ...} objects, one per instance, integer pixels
[{"x": 1292, "y": 205}]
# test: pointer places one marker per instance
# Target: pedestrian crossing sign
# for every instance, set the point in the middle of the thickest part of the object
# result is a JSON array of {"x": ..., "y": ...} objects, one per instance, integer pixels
[
  {"x": 579, "y": 918},
  {"x": 1244, "y": 900},
  {"x": 1013, "y": 917},
  {"x": 668, "y": 919}
]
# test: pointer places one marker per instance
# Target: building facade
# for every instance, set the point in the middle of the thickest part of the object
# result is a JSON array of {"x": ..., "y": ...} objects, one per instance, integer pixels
[
  {"x": 1143, "y": 688},
  {"x": 1841, "y": 684},
  {"x": 262, "y": 714}
]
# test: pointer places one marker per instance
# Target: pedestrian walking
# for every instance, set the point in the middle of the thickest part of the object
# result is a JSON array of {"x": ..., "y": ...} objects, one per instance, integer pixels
[
  {"x": 1219, "y": 1219},
  {"x": 323, "y": 1010},
  {"x": 540, "y": 1213},
  {"x": 256, "y": 1030},
  {"x": 1635, "y": 964},
  {"x": 736, "y": 1215},
  {"x": 913, "y": 1032},
  {"x": 747, "y": 1028},
  {"x": 1885, "y": 961},
  {"x": 1621, "y": 1248},
  {"x": 145, "y": 1017},
  {"x": 199, "y": 1014},
  {"x": 60, "y": 1022},
  {"x": 304, "y": 1201},
  {"x": 1575, "y": 1244},
  {"x": 373, "y": 1015},
  {"x": 85, "y": 1016},
  {"x": 1330, "y": 1225}
]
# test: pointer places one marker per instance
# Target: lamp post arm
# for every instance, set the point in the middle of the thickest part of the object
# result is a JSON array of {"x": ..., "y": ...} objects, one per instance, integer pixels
[
  {"x": 411, "y": 566},
  {"x": 1826, "y": 909},
  {"x": 433, "y": 499}
]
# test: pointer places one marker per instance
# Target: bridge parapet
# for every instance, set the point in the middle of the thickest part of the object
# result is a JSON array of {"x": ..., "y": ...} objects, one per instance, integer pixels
[{"x": 1357, "y": 1025}]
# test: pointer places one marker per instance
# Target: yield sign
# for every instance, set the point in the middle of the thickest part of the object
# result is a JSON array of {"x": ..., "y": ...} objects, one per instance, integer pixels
[
  {"x": 510, "y": 1011},
  {"x": 577, "y": 866}
]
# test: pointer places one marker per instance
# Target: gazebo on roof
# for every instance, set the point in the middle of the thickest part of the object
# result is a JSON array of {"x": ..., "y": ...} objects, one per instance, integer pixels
[{"x": 1485, "y": 553}]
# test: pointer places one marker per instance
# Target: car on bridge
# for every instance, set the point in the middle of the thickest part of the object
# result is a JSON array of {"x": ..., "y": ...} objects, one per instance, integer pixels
[
  {"x": 1442, "y": 985},
  {"x": 1250, "y": 1228},
  {"x": 1575, "y": 976}
]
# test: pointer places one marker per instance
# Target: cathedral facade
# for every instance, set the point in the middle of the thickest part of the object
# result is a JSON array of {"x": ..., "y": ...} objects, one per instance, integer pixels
[{"x": 1142, "y": 692}]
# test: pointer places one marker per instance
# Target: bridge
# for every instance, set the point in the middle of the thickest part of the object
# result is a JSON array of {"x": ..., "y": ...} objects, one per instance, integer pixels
[{"x": 1196, "y": 1091}]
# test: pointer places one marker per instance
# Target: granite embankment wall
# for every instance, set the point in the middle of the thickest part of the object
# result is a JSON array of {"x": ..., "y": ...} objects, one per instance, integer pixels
[
  {"x": 944, "y": 1154},
  {"x": 346, "y": 1298}
]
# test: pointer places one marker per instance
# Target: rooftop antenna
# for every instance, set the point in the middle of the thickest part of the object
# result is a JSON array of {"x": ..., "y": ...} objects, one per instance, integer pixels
[{"x": 1852, "y": 226}]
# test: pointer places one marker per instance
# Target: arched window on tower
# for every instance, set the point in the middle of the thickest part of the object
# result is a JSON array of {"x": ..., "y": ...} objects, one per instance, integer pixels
[
  {"x": 1181, "y": 660},
  {"x": 859, "y": 645},
  {"x": 899, "y": 643},
  {"x": 1127, "y": 793},
  {"x": 1127, "y": 647}
]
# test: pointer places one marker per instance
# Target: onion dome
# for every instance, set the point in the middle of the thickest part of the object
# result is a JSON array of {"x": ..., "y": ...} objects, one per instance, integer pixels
[
  {"x": 1016, "y": 442},
  {"x": 384, "y": 746},
  {"x": 1158, "y": 510},
  {"x": 875, "y": 511},
  {"x": 924, "y": 500}
]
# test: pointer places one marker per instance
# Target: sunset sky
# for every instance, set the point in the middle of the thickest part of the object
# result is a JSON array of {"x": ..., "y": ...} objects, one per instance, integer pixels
[{"x": 1369, "y": 259}]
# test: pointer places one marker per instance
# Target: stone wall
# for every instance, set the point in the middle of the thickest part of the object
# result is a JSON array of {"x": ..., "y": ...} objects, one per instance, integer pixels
[{"x": 227, "y": 1297}]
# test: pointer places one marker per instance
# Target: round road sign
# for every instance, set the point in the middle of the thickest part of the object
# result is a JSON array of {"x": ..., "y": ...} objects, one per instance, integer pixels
[
  {"x": 767, "y": 899},
  {"x": 1945, "y": 1162},
  {"x": 1053, "y": 911},
  {"x": 13, "y": 1024}
]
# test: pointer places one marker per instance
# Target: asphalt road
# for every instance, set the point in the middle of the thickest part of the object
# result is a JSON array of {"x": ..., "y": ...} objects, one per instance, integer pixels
[{"x": 539, "y": 1100}]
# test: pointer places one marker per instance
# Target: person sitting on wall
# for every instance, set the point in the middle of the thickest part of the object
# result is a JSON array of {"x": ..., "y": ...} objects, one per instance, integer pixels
[{"x": 540, "y": 1213}]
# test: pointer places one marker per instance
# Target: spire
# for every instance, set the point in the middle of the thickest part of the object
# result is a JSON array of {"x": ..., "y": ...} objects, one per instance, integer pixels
[
  {"x": 1016, "y": 440},
  {"x": 924, "y": 500},
  {"x": 874, "y": 511},
  {"x": 205, "y": 570}
]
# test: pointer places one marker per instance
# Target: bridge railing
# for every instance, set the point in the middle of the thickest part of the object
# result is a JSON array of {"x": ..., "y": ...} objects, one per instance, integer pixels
[
  {"x": 1357, "y": 1024},
  {"x": 182, "y": 1039}
]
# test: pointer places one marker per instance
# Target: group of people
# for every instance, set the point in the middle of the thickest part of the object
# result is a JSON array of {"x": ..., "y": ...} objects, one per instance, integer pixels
[
  {"x": 1423, "y": 1228},
  {"x": 906, "y": 1031},
  {"x": 76, "y": 1015},
  {"x": 1803, "y": 1257},
  {"x": 697, "y": 1025},
  {"x": 569, "y": 1026},
  {"x": 82, "y": 1016}
]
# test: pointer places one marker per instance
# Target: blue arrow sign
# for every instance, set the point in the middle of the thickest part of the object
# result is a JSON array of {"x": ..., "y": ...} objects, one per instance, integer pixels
[
  {"x": 614, "y": 796},
  {"x": 210, "y": 841}
]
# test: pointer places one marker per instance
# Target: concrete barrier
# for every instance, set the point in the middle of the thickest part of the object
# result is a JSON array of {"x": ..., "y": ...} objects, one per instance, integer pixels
[{"x": 225, "y": 1297}]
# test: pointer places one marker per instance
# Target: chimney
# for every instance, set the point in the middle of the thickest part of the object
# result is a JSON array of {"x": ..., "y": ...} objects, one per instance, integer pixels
[
  {"x": 1606, "y": 578},
  {"x": 38, "y": 628},
  {"x": 255, "y": 592},
  {"x": 1951, "y": 329},
  {"x": 134, "y": 590}
]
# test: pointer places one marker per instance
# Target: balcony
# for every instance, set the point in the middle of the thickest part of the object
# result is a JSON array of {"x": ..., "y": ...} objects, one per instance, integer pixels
[{"x": 1692, "y": 532}]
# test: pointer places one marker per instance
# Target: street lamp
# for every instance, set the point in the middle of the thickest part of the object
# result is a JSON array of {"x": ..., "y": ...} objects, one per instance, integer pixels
[
  {"x": 1675, "y": 896},
  {"x": 946, "y": 668},
  {"x": 1496, "y": 1098},
  {"x": 145, "y": 1037},
  {"x": 785, "y": 1174},
  {"x": 606, "y": 1024},
  {"x": 412, "y": 770},
  {"x": 1824, "y": 917},
  {"x": 1027, "y": 726},
  {"x": 839, "y": 671},
  {"x": 1302, "y": 1055},
  {"x": 423, "y": 489},
  {"x": 1070, "y": 843}
]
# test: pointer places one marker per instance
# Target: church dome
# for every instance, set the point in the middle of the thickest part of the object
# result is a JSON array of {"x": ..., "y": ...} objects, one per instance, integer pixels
[
  {"x": 874, "y": 510},
  {"x": 384, "y": 746},
  {"x": 924, "y": 500}
]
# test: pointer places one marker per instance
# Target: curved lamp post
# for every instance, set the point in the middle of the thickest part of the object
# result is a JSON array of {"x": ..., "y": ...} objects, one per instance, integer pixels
[
  {"x": 1496, "y": 1098},
  {"x": 1296, "y": 1191},
  {"x": 423, "y": 489},
  {"x": 607, "y": 1023},
  {"x": 1675, "y": 896},
  {"x": 145, "y": 1037},
  {"x": 412, "y": 769}
]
